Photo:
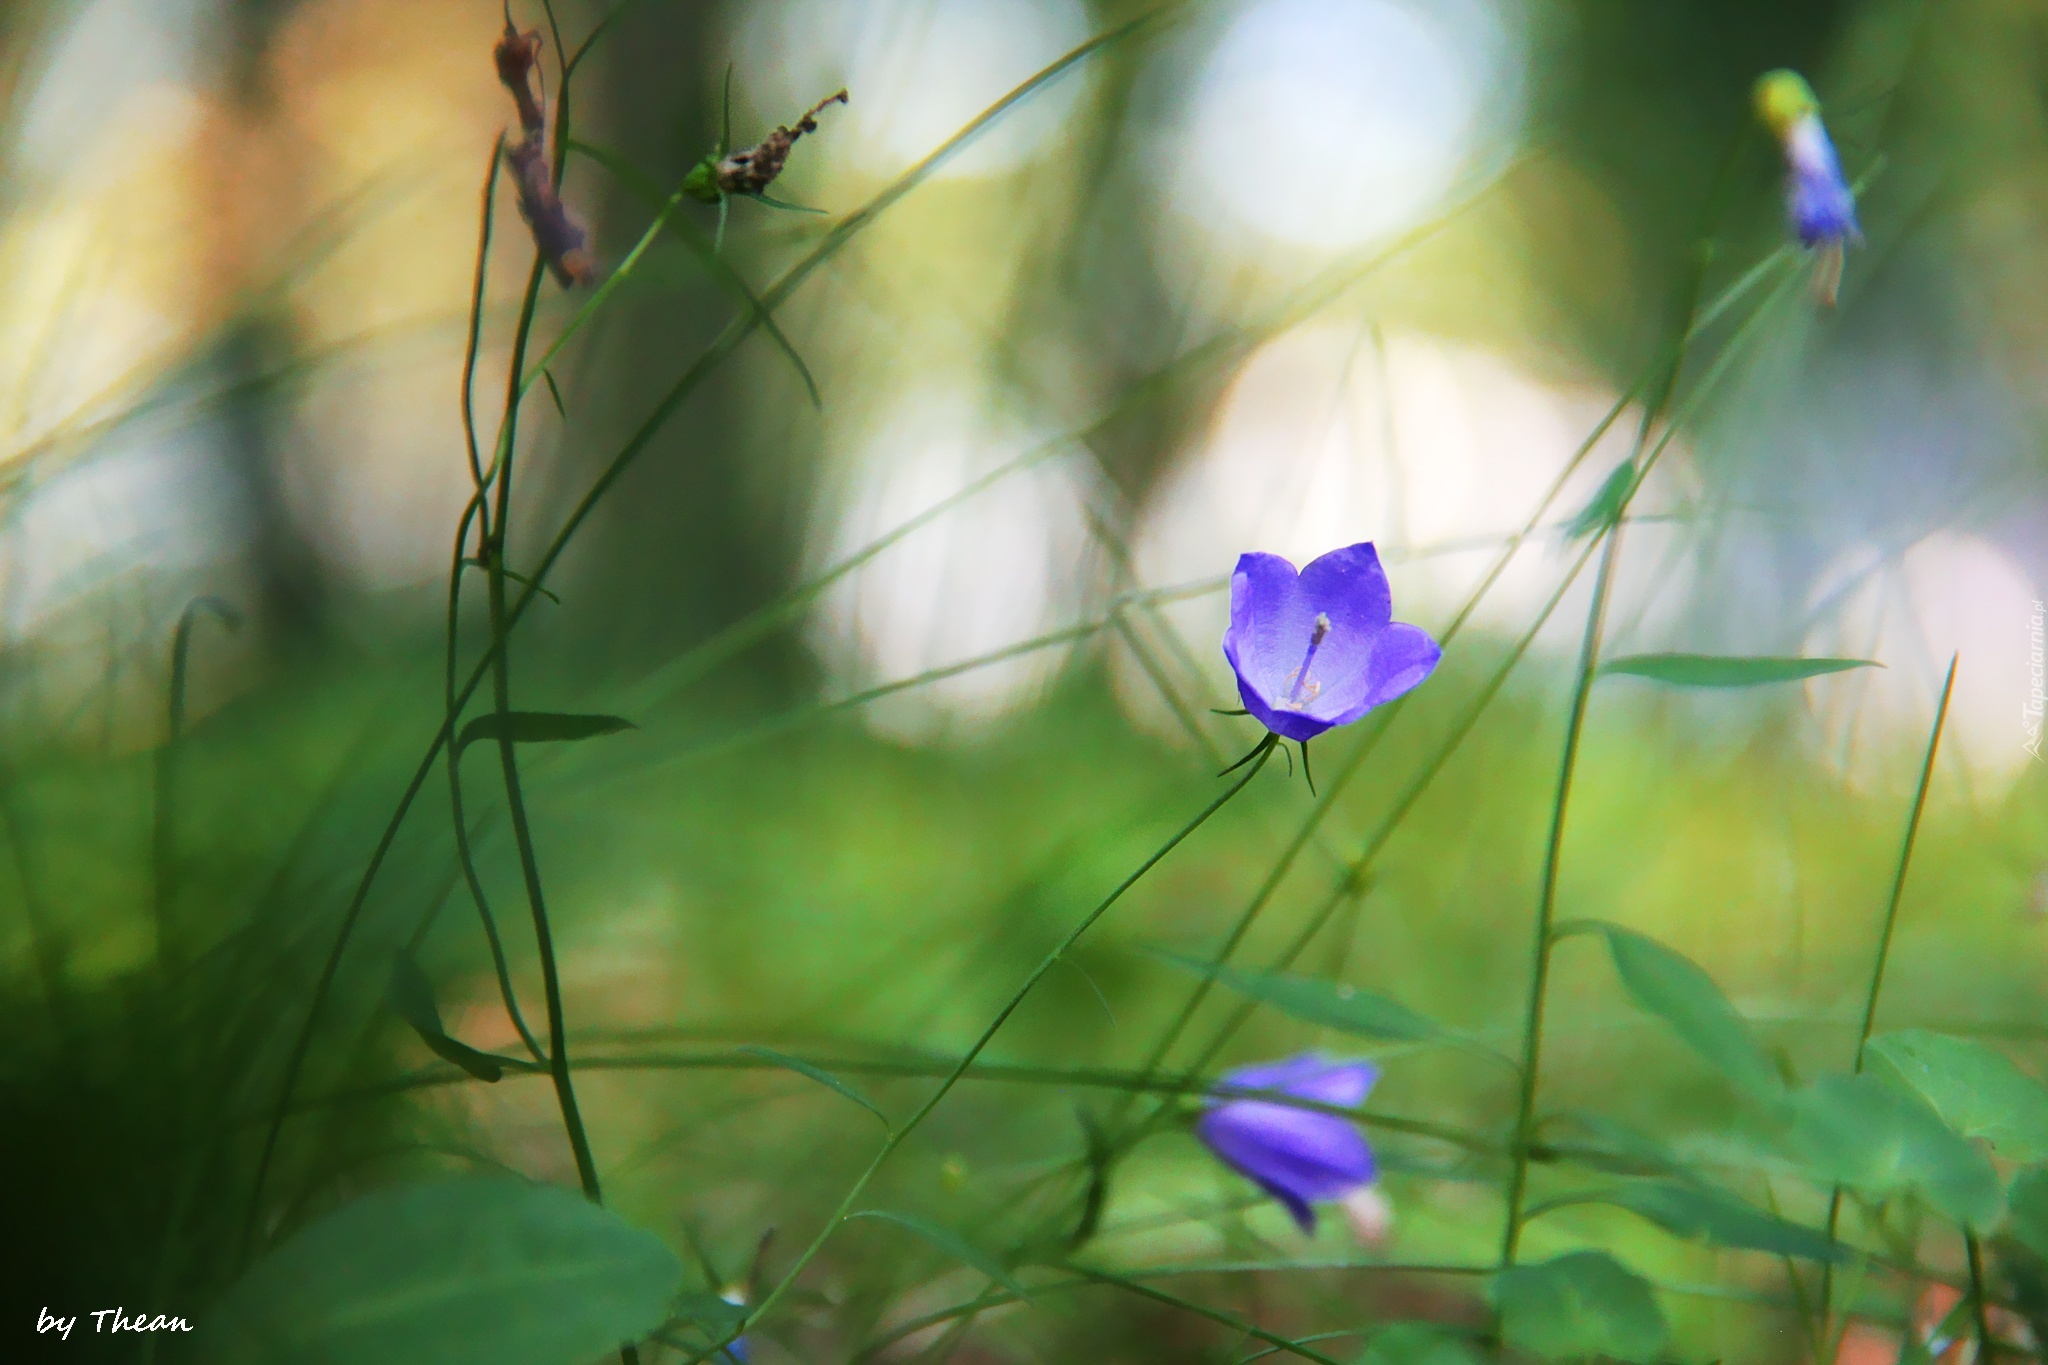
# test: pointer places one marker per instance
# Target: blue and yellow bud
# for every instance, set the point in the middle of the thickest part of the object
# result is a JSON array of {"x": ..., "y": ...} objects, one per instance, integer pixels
[
  {"x": 1783, "y": 98},
  {"x": 1818, "y": 201}
]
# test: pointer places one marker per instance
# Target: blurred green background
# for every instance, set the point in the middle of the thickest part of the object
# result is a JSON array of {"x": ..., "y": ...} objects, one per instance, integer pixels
[{"x": 1269, "y": 274}]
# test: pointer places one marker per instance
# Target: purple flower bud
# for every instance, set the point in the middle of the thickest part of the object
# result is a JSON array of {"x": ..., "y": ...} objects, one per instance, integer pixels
[
  {"x": 1299, "y": 1156},
  {"x": 1817, "y": 199},
  {"x": 1319, "y": 648}
]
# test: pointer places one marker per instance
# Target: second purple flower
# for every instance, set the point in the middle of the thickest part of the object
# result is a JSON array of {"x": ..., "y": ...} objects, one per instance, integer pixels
[{"x": 1302, "y": 1157}]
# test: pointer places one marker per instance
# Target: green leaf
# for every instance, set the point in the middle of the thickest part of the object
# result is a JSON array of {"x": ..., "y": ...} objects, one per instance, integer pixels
[
  {"x": 478, "y": 1270},
  {"x": 412, "y": 998},
  {"x": 1606, "y": 505},
  {"x": 1332, "y": 1004},
  {"x": 1717, "y": 670},
  {"x": 1699, "y": 1213},
  {"x": 1584, "y": 1303},
  {"x": 538, "y": 727},
  {"x": 1975, "y": 1089},
  {"x": 1418, "y": 1343},
  {"x": 1868, "y": 1133},
  {"x": 1670, "y": 986},
  {"x": 950, "y": 1242},
  {"x": 818, "y": 1074},
  {"x": 2029, "y": 1201}
]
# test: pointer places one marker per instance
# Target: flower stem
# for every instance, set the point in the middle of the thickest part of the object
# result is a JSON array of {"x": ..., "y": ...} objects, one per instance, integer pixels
[
  {"x": 1891, "y": 909},
  {"x": 1643, "y": 457},
  {"x": 1884, "y": 949},
  {"x": 967, "y": 1059},
  {"x": 508, "y": 758},
  {"x": 1986, "y": 1350},
  {"x": 1546, "y": 902}
]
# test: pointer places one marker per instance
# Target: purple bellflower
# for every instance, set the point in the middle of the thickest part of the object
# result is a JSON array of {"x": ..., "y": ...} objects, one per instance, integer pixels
[
  {"x": 1299, "y": 1156},
  {"x": 1319, "y": 648}
]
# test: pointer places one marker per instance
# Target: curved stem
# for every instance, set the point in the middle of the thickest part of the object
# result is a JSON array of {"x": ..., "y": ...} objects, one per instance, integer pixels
[
  {"x": 476, "y": 316},
  {"x": 508, "y": 759},
  {"x": 479, "y": 512},
  {"x": 165, "y": 775},
  {"x": 464, "y": 854},
  {"x": 967, "y": 1060},
  {"x": 1546, "y": 902}
]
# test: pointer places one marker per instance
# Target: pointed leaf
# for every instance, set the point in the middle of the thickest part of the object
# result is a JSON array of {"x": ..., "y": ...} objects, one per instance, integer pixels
[
  {"x": 1698, "y": 1213},
  {"x": 1717, "y": 670},
  {"x": 1976, "y": 1089},
  {"x": 1606, "y": 504},
  {"x": 1869, "y": 1133},
  {"x": 1584, "y": 1303},
  {"x": 1418, "y": 1343},
  {"x": 818, "y": 1074},
  {"x": 469, "y": 1271},
  {"x": 950, "y": 1242},
  {"x": 412, "y": 995},
  {"x": 1332, "y": 1004},
  {"x": 538, "y": 727},
  {"x": 412, "y": 998},
  {"x": 1670, "y": 986}
]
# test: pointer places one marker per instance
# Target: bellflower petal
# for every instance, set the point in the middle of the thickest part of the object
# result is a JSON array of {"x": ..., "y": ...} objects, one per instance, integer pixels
[
  {"x": 1299, "y": 1156},
  {"x": 1319, "y": 649}
]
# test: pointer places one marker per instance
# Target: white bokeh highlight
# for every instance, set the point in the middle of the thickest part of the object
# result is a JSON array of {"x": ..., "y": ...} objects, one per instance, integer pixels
[
  {"x": 1334, "y": 125},
  {"x": 1012, "y": 562},
  {"x": 1948, "y": 594}
]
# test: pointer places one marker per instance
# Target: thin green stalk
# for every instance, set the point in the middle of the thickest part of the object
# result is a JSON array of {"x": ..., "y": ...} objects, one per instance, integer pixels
[
  {"x": 465, "y": 856},
  {"x": 1230, "y": 1320},
  {"x": 1987, "y": 1348},
  {"x": 479, "y": 512},
  {"x": 1689, "y": 315},
  {"x": 1898, "y": 891},
  {"x": 1546, "y": 902},
  {"x": 939, "y": 1068},
  {"x": 164, "y": 785},
  {"x": 508, "y": 760},
  {"x": 1884, "y": 946},
  {"x": 897, "y": 1137},
  {"x": 476, "y": 315},
  {"x": 803, "y": 715}
]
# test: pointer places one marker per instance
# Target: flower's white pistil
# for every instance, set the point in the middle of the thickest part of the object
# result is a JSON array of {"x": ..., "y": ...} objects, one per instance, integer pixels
[{"x": 1304, "y": 691}]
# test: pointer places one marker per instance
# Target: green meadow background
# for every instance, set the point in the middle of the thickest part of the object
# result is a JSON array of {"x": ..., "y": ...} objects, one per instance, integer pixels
[{"x": 1223, "y": 284}]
